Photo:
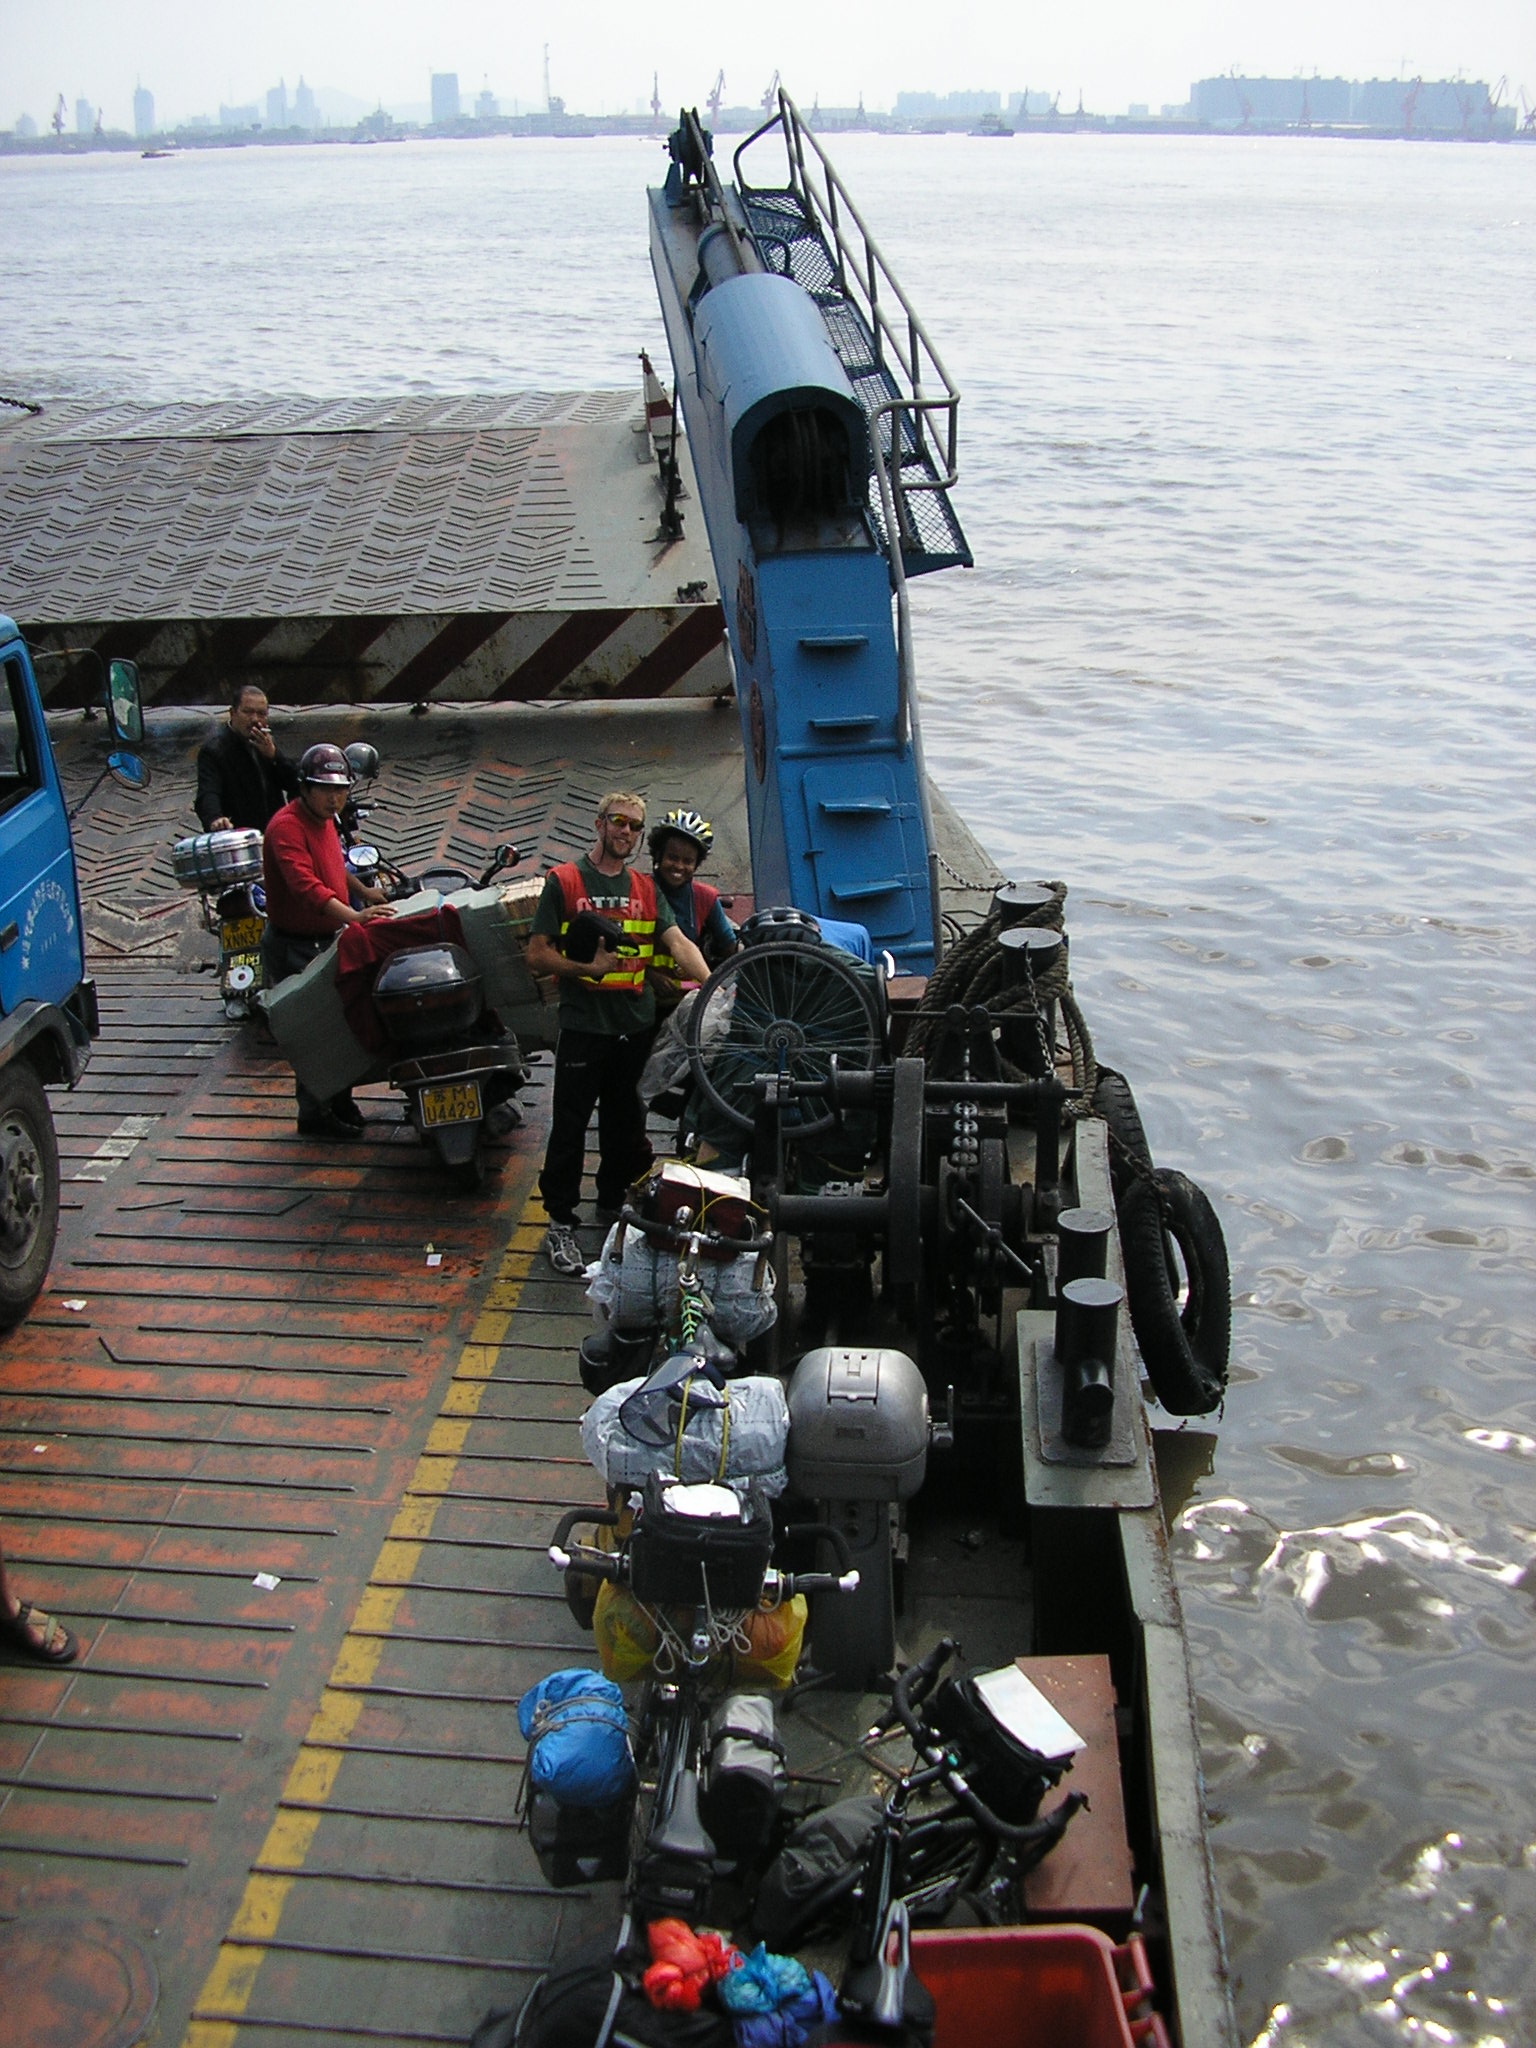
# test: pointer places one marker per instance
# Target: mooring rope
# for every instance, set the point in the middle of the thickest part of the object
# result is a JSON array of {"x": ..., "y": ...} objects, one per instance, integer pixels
[{"x": 975, "y": 973}]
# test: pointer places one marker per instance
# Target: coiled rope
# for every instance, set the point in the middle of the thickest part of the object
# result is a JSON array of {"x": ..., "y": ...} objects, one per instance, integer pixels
[{"x": 976, "y": 973}]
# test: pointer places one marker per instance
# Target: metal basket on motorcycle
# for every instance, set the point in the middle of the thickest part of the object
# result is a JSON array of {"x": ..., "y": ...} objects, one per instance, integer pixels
[
  {"x": 214, "y": 861},
  {"x": 425, "y": 995}
]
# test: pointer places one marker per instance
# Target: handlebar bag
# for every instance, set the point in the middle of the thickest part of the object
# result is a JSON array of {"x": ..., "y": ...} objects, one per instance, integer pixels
[
  {"x": 1003, "y": 1772},
  {"x": 682, "y": 1554}
]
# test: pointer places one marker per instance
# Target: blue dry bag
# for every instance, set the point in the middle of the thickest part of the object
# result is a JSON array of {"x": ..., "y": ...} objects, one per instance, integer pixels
[{"x": 578, "y": 1738}]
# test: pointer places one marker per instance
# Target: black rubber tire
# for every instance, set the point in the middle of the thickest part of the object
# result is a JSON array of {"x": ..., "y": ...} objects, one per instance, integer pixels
[
  {"x": 1128, "y": 1147},
  {"x": 1164, "y": 1219},
  {"x": 26, "y": 1129}
]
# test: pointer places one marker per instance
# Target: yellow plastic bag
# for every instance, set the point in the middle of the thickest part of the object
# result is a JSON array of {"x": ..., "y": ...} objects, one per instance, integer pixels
[
  {"x": 776, "y": 1635},
  {"x": 626, "y": 1635}
]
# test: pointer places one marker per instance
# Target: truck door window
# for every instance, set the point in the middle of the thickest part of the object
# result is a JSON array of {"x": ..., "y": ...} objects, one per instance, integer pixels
[{"x": 18, "y": 764}]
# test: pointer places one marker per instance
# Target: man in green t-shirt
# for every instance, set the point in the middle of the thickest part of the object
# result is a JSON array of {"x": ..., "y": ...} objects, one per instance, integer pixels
[{"x": 607, "y": 1018}]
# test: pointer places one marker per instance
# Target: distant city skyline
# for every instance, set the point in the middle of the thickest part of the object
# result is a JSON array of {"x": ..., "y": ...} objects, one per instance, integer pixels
[
  {"x": 603, "y": 53},
  {"x": 1416, "y": 103}
]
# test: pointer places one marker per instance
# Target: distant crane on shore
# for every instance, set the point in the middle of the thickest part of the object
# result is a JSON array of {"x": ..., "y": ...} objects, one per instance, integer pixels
[
  {"x": 716, "y": 95},
  {"x": 655, "y": 96},
  {"x": 1410, "y": 102},
  {"x": 771, "y": 96},
  {"x": 57, "y": 123}
]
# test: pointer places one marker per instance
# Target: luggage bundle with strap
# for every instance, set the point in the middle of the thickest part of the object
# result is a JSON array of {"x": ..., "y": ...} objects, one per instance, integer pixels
[
  {"x": 579, "y": 1777},
  {"x": 734, "y": 1434}
]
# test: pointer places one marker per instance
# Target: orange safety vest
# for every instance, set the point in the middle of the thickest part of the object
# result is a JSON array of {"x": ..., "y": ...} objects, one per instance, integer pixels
[{"x": 639, "y": 922}]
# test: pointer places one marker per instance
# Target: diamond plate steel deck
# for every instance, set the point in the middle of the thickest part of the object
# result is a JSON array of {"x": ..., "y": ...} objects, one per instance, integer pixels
[{"x": 354, "y": 550}]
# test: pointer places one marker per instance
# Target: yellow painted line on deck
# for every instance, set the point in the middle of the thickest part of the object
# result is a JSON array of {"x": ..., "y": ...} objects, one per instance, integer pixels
[{"x": 227, "y": 1990}]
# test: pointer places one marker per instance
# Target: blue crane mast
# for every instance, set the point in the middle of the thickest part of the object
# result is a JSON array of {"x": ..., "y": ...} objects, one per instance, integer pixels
[{"x": 822, "y": 428}]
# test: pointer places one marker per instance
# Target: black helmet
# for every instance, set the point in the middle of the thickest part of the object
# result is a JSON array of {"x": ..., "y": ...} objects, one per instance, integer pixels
[
  {"x": 363, "y": 760},
  {"x": 681, "y": 823},
  {"x": 325, "y": 765}
]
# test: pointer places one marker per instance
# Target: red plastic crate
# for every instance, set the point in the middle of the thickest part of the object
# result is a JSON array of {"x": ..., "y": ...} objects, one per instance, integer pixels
[{"x": 1036, "y": 1987}]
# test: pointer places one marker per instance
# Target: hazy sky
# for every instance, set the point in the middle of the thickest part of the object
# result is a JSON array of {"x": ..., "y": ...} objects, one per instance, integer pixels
[{"x": 194, "y": 53}]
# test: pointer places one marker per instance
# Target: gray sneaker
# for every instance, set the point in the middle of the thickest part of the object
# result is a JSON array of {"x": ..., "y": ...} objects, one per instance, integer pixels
[{"x": 562, "y": 1250}]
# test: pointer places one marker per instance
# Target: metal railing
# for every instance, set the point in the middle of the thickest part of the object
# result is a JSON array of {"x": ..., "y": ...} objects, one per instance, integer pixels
[
  {"x": 903, "y": 348},
  {"x": 861, "y": 273}
]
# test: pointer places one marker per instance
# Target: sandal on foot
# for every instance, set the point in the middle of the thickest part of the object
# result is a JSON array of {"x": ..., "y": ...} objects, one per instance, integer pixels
[{"x": 58, "y": 1645}]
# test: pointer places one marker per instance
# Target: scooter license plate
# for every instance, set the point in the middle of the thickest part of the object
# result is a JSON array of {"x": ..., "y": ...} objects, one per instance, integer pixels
[
  {"x": 456, "y": 1103},
  {"x": 242, "y": 934}
]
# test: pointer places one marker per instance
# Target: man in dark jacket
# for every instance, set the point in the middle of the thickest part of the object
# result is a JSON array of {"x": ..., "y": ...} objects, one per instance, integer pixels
[{"x": 242, "y": 780}]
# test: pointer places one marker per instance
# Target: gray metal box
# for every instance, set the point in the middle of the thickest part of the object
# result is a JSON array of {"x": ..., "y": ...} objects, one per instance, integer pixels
[{"x": 858, "y": 1425}]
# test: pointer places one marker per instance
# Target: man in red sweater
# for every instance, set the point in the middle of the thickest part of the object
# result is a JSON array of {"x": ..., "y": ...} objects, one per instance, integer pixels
[{"x": 309, "y": 898}]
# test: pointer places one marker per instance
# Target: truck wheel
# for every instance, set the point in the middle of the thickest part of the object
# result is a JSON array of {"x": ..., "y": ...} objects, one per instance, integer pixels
[{"x": 29, "y": 1190}]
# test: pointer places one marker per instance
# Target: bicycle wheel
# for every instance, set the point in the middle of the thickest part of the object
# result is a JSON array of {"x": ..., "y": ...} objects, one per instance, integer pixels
[{"x": 787, "y": 1009}]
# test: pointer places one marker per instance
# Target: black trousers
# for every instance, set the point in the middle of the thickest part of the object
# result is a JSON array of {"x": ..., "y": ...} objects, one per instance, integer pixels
[
  {"x": 284, "y": 954},
  {"x": 596, "y": 1070}
]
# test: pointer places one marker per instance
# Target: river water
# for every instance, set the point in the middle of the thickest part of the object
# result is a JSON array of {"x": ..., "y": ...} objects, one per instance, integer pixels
[{"x": 1248, "y": 447}]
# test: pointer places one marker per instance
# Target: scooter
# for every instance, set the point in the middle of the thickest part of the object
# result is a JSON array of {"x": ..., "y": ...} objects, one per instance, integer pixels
[
  {"x": 225, "y": 869},
  {"x": 458, "y": 1068}
]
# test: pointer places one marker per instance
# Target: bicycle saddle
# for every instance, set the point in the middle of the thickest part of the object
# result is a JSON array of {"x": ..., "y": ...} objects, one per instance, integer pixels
[{"x": 682, "y": 1834}]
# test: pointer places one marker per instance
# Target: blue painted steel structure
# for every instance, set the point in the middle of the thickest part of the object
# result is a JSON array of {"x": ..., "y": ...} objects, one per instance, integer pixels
[
  {"x": 42, "y": 958},
  {"x": 785, "y": 446}
]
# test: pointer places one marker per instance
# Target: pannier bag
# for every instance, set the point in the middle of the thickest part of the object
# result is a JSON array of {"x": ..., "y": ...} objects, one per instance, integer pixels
[
  {"x": 636, "y": 1288},
  {"x": 694, "y": 1544},
  {"x": 744, "y": 1775},
  {"x": 735, "y": 1435},
  {"x": 580, "y": 1844},
  {"x": 577, "y": 1734},
  {"x": 814, "y": 1874},
  {"x": 594, "y": 2000},
  {"x": 1003, "y": 1772}
]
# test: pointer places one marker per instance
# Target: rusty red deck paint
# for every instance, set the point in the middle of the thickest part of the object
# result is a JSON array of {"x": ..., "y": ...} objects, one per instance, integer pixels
[{"x": 248, "y": 1389}]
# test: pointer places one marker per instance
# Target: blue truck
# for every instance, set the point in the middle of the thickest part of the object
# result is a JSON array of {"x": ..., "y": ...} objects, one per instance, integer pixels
[{"x": 48, "y": 1010}]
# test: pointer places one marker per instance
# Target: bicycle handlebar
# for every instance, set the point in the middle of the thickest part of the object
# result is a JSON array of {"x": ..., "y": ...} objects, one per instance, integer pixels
[
  {"x": 607, "y": 1564},
  {"x": 907, "y": 1695},
  {"x": 653, "y": 1226},
  {"x": 614, "y": 1564},
  {"x": 844, "y": 1580}
]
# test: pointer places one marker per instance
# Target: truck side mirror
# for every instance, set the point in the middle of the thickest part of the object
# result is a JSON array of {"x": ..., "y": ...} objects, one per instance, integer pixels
[
  {"x": 125, "y": 707},
  {"x": 131, "y": 770}
]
